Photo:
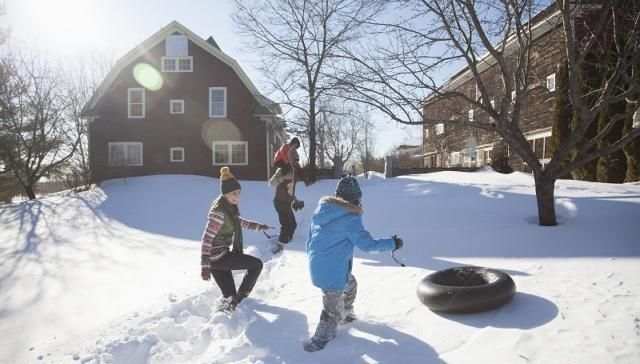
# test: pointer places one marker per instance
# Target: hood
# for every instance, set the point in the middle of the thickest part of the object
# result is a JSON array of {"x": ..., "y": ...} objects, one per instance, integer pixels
[{"x": 331, "y": 208}]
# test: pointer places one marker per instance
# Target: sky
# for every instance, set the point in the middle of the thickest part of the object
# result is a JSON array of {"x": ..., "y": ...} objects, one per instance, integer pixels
[
  {"x": 64, "y": 29},
  {"x": 112, "y": 275}
]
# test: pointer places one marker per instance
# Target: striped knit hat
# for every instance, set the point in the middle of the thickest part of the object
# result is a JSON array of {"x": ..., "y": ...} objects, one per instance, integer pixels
[
  {"x": 228, "y": 182},
  {"x": 349, "y": 189}
]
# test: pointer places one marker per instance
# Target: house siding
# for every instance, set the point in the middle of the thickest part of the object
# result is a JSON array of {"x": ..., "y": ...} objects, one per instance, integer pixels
[
  {"x": 536, "y": 112},
  {"x": 160, "y": 130}
]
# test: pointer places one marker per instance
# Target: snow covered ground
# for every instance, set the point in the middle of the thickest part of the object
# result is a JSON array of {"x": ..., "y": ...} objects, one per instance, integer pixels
[{"x": 112, "y": 275}]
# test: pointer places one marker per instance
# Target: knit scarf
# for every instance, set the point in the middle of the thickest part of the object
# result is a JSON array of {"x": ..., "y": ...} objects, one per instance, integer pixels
[{"x": 234, "y": 213}]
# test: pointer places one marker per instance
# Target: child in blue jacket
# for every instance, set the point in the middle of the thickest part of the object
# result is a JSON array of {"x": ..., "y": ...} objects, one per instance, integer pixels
[{"x": 336, "y": 227}]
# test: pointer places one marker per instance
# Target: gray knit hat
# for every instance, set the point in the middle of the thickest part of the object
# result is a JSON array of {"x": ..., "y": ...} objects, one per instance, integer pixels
[{"x": 348, "y": 189}]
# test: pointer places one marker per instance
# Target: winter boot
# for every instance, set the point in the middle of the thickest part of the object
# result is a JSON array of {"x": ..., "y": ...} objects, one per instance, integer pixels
[
  {"x": 227, "y": 305},
  {"x": 348, "y": 318},
  {"x": 311, "y": 345}
]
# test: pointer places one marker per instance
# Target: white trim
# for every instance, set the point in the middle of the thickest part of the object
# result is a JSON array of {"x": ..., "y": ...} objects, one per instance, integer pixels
[
  {"x": 129, "y": 103},
  {"x": 160, "y": 36},
  {"x": 126, "y": 152},
  {"x": 551, "y": 82},
  {"x": 230, "y": 144},
  {"x": 176, "y": 102},
  {"x": 171, "y": 150},
  {"x": 470, "y": 116},
  {"x": 439, "y": 129},
  {"x": 211, "y": 115},
  {"x": 537, "y": 134}
]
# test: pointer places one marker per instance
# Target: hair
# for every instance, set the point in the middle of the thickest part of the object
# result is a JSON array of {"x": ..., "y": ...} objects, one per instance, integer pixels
[{"x": 295, "y": 141}]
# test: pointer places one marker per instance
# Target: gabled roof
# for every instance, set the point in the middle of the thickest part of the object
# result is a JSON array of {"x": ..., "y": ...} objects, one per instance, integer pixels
[{"x": 266, "y": 105}]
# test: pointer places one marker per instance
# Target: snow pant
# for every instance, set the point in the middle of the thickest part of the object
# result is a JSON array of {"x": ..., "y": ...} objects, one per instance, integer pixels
[
  {"x": 284, "y": 168},
  {"x": 287, "y": 220},
  {"x": 221, "y": 272},
  {"x": 335, "y": 305}
]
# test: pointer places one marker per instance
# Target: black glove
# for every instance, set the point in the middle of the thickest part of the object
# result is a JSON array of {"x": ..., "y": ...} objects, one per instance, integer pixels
[{"x": 398, "y": 241}]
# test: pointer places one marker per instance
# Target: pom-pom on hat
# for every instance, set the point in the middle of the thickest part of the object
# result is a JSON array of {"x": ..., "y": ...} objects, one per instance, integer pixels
[
  {"x": 349, "y": 189},
  {"x": 228, "y": 182}
]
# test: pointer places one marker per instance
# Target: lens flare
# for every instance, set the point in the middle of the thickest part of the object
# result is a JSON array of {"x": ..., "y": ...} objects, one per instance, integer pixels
[{"x": 148, "y": 77}]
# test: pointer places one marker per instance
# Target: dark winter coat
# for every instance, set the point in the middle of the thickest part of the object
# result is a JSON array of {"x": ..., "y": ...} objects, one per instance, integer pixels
[{"x": 336, "y": 227}]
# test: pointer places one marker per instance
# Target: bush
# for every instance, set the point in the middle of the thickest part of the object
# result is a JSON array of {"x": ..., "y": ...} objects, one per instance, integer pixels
[{"x": 500, "y": 158}]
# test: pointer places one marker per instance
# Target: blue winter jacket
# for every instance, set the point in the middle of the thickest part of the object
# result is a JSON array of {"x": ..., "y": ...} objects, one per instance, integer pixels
[{"x": 336, "y": 227}]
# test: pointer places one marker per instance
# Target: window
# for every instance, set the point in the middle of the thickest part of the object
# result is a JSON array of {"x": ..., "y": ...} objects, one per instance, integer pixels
[
  {"x": 176, "y": 45},
  {"x": 176, "y": 106},
  {"x": 551, "y": 82},
  {"x": 176, "y": 154},
  {"x": 454, "y": 158},
  {"x": 478, "y": 94},
  {"x": 125, "y": 154},
  {"x": 493, "y": 104},
  {"x": 217, "y": 102},
  {"x": 439, "y": 129},
  {"x": 177, "y": 64},
  {"x": 233, "y": 153},
  {"x": 426, "y": 133},
  {"x": 471, "y": 116},
  {"x": 135, "y": 103},
  {"x": 513, "y": 96}
]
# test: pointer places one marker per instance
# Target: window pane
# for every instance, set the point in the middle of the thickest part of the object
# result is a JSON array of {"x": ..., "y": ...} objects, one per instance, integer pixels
[
  {"x": 177, "y": 155},
  {"x": 221, "y": 154},
  {"x": 135, "y": 96},
  {"x": 184, "y": 64},
  {"x": 238, "y": 154},
  {"x": 217, "y": 95},
  {"x": 217, "y": 109},
  {"x": 169, "y": 64},
  {"x": 134, "y": 154},
  {"x": 116, "y": 154},
  {"x": 136, "y": 109}
]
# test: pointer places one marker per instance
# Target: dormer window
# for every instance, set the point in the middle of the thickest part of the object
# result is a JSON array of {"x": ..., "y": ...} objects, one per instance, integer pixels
[{"x": 177, "y": 57}]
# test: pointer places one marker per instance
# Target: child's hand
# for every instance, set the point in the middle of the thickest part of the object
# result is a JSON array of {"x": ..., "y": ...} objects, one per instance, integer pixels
[
  {"x": 263, "y": 227},
  {"x": 205, "y": 274}
]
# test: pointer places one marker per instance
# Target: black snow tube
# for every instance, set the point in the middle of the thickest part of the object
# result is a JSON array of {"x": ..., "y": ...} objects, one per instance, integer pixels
[{"x": 466, "y": 289}]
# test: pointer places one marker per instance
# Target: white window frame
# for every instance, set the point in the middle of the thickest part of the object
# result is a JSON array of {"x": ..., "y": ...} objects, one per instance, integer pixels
[
  {"x": 129, "y": 90},
  {"x": 439, "y": 129},
  {"x": 211, "y": 90},
  {"x": 426, "y": 133},
  {"x": 171, "y": 150},
  {"x": 230, "y": 145},
  {"x": 545, "y": 136},
  {"x": 126, "y": 152},
  {"x": 177, "y": 68},
  {"x": 513, "y": 96},
  {"x": 176, "y": 102},
  {"x": 478, "y": 93},
  {"x": 470, "y": 116},
  {"x": 551, "y": 82}
]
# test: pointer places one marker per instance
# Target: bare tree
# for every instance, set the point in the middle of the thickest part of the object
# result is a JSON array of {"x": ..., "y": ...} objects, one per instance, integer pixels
[
  {"x": 341, "y": 133},
  {"x": 36, "y": 138},
  {"x": 367, "y": 143},
  {"x": 297, "y": 40},
  {"x": 399, "y": 75},
  {"x": 80, "y": 82}
]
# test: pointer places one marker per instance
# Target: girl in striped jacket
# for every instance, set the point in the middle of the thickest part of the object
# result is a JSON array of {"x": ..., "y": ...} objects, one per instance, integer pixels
[{"x": 222, "y": 250}]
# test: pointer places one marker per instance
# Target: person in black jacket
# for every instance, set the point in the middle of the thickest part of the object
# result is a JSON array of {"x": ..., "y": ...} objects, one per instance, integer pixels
[{"x": 282, "y": 202}]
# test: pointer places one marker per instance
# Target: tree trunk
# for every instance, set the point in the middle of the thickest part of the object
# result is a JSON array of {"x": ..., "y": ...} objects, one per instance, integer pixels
[
  {"x": 30, "y": 192},
  {"x": 545, "y": 186},
  {"x": 312, "y": 141}
]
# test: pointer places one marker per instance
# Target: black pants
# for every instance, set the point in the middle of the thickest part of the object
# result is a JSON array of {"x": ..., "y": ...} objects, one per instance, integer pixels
[
  {"x": 221, "y": 271},
  {"x": 287, "y": 220}
]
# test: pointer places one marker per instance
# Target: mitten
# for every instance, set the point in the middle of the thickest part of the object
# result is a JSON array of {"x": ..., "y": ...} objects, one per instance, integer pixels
[
  {"x": 205, "y": 274},
  {"x": 398, "y": 241}
]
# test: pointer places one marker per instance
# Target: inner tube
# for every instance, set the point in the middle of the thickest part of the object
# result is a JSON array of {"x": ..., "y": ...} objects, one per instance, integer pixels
[{"x": 465, "y": 289}]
